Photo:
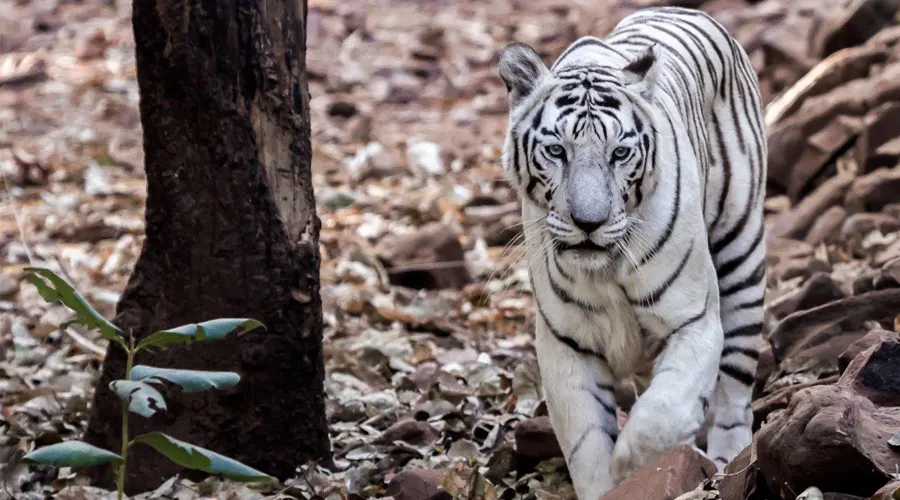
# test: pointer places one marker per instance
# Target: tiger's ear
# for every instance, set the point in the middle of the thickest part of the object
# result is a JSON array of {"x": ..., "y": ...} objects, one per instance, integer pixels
[
  {"x": 643, "y": 72},
  {"x": 520, "y": 68}
]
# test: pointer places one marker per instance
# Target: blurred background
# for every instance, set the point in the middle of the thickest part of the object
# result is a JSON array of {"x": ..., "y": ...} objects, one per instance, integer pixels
[{"x": 425, "y": 295}]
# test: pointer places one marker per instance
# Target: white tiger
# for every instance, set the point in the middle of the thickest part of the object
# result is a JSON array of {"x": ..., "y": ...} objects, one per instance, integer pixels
[{"x": 640, "y": 162}]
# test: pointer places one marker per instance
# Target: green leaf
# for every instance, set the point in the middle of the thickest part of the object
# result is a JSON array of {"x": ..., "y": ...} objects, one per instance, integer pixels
[
  {"x": 72, "y": 454},
  {"x": 195, "y": 457},
  {"x": 140, "y": 397},
  {"x": 57, "y": 290},
  {"x": 189, "y": 380},
  {"x": 214, "y": 329}
]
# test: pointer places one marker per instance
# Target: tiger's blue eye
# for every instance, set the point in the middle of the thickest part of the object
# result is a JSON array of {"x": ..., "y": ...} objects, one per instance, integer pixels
[
  {"x": 556, "y": 150},
  {"x": 620, "y": 152}
]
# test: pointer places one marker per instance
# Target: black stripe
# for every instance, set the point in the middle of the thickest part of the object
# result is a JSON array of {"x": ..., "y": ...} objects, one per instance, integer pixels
[
  {"x": 730, "y": 266},
  {"x": 564, "y": 295},
  {"x": 750, "y": 305},
  {"x": 655, "y": 295},
  {"x": 757, "y": 276},
  {"x": 695, "y": 318},
  {"x": 676, "y": 205},
  {"x": 728, "y": 427},
  {"x": 744, "y": 331},
  {"x": 580, "y": 43},
  {"x": 571, "y": 343},
  {"x": 737, "y": 373},
  {"x": 746, "y": 351}
]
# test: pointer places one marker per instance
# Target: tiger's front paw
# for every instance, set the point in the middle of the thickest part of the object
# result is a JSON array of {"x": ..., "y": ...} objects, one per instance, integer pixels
[{"x": 653, "y": 428}]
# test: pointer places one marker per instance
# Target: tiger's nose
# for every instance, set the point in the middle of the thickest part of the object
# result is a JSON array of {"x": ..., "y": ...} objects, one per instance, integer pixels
[{"x": 588, "y": 226}]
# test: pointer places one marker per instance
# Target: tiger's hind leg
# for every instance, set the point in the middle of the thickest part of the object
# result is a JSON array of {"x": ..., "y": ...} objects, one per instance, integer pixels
[{"x": 741, "y": 290}]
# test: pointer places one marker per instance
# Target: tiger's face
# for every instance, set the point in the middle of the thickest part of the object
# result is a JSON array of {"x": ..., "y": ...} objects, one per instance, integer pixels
[{"x": 579, "y": 149}]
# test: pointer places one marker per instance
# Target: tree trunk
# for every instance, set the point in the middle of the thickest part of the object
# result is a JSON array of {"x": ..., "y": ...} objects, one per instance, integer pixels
[{"x": 231, "y": 231}]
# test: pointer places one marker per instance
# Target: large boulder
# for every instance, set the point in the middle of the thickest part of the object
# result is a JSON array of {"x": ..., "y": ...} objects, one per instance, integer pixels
[
  {"x": 835, "y": 437},
  {"x": 665, "y": 478}
]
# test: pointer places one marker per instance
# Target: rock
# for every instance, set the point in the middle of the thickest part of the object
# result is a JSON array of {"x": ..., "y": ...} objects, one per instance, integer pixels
[
  {"x": 889, "y": 491},
  {"x": 873, "y": 191},
  {"x": 829, "y": 329},
  {"x": 425, "y": 156},
  {"x": 415, "y": 484},
  {"x": 535, "y": 440},
  {"x": 666, "y": 477},
  {"x": 796, "y": 223},
  {"x": 411, "y": 431},
  {"x": 742, "y": 479},
  {"x": 430, "y": 258},
  {"x": 857, "y": 226},
  {"x": 818, "y": 290},
  {"x": 860, "y": 22},
  {"x": 856, "y": 348},
  {"x": 827, "y": 226},
  {"x": 9, "y": 286},
  {"x": 787, "y": 259},
  {"x": 878, "y": 133},
  {"x": 836, "y": 436}
]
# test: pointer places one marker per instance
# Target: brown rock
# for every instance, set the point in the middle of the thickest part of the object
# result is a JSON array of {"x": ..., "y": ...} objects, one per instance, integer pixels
[
  {"x": 415, "y": 484},
  {"x": 414, "y": 432},
  {"x": 535, "y": 440},
  {"x": 857, "y": 226},
  {"x": 856, "y": 348},
  {"x": 835, "y": 437},
  {"x": 832, "y": 327},
  {"x": 879, "y": 130},
  {"x": 796, "y": 223},
  {"x": 430, "y": 258},
  {"x": 873, "y": 191},
  {"x": 860, "y": 22},
  {"x": 786, "y": 258},
  {"x": 665, "y": 478},
  {"x": 827, "y": 226},
  {"x": 742, "y": 479},
  {"x": 818, "y": 290},
  {"x": 890, "y": 491}
]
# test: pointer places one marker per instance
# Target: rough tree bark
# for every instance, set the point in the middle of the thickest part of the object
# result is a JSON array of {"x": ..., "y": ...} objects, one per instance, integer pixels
[{"x": 231, "y": 231}]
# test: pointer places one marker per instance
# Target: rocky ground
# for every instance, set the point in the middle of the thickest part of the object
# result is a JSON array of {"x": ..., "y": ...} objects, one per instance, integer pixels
[{"x": 432, "y": 383}]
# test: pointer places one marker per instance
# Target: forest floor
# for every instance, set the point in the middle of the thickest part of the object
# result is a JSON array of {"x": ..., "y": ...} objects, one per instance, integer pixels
[{"x": 428, "y": 336}]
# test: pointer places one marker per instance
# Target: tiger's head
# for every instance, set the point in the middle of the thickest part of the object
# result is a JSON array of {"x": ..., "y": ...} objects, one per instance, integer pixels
[{"x": 580, "y": 146}]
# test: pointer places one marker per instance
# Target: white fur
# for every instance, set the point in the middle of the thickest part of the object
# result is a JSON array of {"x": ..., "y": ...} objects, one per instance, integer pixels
[{"x": 596, "y": 310}]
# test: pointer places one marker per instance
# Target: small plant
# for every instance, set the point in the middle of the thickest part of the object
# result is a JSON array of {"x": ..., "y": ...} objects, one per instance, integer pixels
[{"x": 137, "y": 392}]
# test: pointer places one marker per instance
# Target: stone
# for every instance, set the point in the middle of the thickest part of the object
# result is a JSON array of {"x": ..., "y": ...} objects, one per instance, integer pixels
[
  {"x": 742, "y": 479},
  {"x": 862, "y": 20},
  {"x": 429, "y": 258},
  {"x": 425, "y": 156},
  {"x": 666, "y": 477},
  {"x": 9, "y": 286},
  {"x": 878, "y": 133},
  {"x": 796, "y": 223},
  {"x": 536, "y": 441},
  {"x": 415, "y": 484},
  {"x": 857, "y": 226},
  {"x": 834, "y": 326},
  {"x": 835, "y": 437},
  {"x": 873, "y": 191},
  {"x": 788, "y": 259},
  {"x": 414, "y": 432},
  {"x": 818, "y": 290},
  {"x": 890, "y": 491},
  {"x": 826, "y": 226},
  {"x": 857, "y": 348}
]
